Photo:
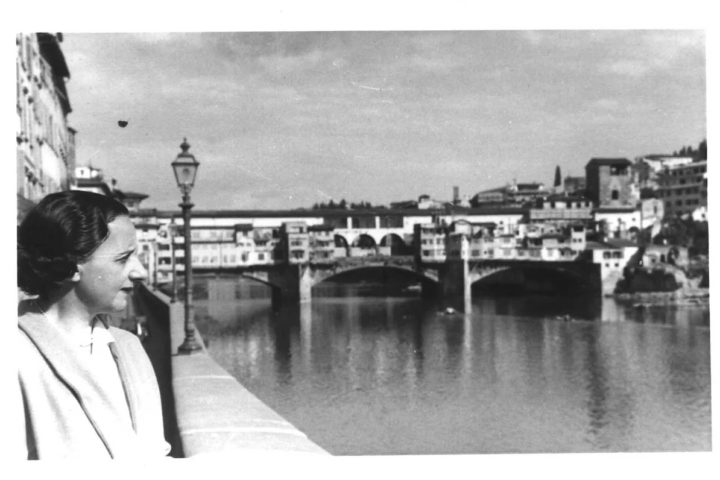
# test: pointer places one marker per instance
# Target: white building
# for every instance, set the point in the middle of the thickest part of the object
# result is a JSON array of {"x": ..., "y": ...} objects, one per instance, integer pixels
[
  {"x": 612, "y": 256},
  {"x": 619, "y": 222},
  {"x": 650, "y": 166}
]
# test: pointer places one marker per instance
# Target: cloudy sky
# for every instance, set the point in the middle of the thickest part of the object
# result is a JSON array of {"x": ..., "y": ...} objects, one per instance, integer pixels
[{"x": 284, "y": 120}]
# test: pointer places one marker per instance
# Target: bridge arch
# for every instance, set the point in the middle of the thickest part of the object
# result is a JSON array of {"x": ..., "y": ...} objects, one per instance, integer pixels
[
  {"x": 259, "y": 279},
  {"x": 341, "y": 242},
  {"x": 396, "y": 243},
  {"x": 364, "y": 241},
  {"x": 544, "y": 278},
  {"x": 410, "y": 273}
]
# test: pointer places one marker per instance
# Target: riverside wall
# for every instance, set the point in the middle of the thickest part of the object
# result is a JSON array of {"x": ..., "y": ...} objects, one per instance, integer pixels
[{"x": 206, "y": 410}]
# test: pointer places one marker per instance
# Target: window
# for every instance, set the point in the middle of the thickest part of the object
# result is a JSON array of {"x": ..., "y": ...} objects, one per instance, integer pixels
[{"x": 615, "y": 195}]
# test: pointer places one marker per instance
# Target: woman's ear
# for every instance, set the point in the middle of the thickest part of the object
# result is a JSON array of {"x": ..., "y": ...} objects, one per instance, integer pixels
[{"x": 76, "y": 276}]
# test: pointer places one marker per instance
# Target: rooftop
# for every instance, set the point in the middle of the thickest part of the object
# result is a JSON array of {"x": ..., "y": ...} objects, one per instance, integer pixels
[{"x": 608, "y": 161}]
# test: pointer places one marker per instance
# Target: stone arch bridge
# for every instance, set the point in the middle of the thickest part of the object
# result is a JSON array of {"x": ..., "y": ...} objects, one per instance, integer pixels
[{"x": 452, "y": 278}]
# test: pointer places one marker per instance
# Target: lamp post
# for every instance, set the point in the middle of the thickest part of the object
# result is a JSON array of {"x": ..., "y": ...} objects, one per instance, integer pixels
[
  {"x": 173, "y": 297},
  {"x": 185, "y": 167}
]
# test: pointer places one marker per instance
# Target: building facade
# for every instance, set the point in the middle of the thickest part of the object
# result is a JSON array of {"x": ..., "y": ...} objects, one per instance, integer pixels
[
  {"x": 610, "y": 182},
  {"x": 649, "y": 167},
  {"x": 562, "y": 209},
  {"x": 45, "y": 142},
  {"x": 683, "y": 188}
]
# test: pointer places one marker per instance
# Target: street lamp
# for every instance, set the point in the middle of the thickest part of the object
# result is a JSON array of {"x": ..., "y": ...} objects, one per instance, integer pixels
[
  {"x": 185, "y": 167},
  {"x": 171, "y": 229}
]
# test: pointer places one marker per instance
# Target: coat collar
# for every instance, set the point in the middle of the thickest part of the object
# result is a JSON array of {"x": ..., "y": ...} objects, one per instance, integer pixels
[{"x": 70, "y": 365}]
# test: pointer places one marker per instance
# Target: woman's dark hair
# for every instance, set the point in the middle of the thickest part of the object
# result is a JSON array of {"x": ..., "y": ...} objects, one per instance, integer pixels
[{"x": 60, "y": 232}]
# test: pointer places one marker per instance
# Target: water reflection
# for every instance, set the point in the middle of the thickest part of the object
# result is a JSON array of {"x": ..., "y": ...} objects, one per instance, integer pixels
[{"x": 509, "y": 376}]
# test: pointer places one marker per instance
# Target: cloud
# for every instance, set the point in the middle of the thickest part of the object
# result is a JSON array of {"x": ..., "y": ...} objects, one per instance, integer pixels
[
  {"x": 374, "y": 116},
  {"x": 653, "y": 51}
]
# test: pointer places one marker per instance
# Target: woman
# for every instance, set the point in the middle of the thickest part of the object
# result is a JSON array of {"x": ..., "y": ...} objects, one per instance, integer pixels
[{"x": 88, "y": 389}]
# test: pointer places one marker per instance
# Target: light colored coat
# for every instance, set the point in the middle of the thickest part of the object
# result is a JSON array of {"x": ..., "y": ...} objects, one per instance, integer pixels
[{"x": 68, "y": 414}]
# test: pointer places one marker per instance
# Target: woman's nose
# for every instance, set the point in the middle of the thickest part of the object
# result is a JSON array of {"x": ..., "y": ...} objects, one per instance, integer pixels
[{"x": 137, "y": 271}]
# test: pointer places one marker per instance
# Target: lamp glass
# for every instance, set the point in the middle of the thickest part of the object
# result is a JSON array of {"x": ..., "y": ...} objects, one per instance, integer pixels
[{"x": 185, "y": 172}]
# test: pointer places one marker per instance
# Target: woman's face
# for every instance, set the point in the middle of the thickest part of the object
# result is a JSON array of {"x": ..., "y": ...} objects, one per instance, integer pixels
[{"x": 106, "y": 277}]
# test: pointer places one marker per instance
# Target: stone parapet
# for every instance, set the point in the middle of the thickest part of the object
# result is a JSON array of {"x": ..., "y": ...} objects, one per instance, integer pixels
[{"x": 215, "y": 414}]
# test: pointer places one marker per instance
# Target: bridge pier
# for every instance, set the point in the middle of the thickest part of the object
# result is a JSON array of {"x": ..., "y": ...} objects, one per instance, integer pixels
[
  {"x": 291, "y": 284},
  {"x": 455, "y": 285}
]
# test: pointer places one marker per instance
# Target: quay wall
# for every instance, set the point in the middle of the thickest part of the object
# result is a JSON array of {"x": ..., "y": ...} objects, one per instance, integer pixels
[{"x": 206, "y": 410}]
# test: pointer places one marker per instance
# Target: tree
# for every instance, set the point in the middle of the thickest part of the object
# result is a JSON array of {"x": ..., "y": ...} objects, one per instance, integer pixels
[
  {"x": 558, "y": 177},
  {"x": 702, "y": 150}
]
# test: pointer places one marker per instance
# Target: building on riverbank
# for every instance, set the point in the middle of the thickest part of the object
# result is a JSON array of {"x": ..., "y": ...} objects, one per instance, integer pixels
[
  {"x": 683, "y": 189},
  {"x": 45, "y": 149}
]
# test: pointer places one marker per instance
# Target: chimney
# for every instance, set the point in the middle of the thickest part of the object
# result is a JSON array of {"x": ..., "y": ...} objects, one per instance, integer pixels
[{"x": 456, "y": 195}]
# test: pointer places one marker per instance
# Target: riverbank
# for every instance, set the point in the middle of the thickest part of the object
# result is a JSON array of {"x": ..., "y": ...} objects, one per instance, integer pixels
[{"x": 683, "y": 296}]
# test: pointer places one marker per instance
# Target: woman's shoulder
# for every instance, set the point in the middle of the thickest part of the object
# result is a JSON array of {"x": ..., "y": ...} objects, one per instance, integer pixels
[{"x": 124, "y": 337}]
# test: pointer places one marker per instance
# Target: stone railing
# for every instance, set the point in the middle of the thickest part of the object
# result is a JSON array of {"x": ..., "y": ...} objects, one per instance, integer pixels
[{"x": 208, "y": 411}]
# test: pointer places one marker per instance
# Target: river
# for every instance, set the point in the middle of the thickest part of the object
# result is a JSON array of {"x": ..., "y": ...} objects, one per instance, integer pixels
[{"x": 368, "y": 374}]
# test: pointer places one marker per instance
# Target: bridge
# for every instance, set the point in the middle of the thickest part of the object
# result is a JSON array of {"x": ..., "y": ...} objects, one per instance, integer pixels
[
  {"x": 452, "y": 278},
  {"x": 292, "y": 253}
]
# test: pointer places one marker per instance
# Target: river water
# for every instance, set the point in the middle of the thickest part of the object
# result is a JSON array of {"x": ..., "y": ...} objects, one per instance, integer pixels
[{"x": 364, "y": 374}]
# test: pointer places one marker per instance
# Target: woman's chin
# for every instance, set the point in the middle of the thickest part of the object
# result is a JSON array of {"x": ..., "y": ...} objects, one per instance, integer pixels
[{"x": 120, "y": 303}]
